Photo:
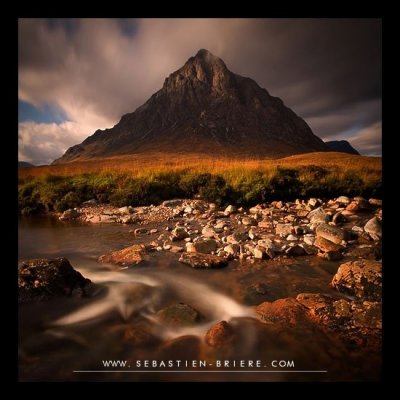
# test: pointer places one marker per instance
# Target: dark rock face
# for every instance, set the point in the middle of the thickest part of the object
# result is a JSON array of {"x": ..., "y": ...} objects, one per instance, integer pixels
[
  {"x": 342, "y": 146},
  {"x": 204, "y": 108},
  {"x": 43, "y": 279}
]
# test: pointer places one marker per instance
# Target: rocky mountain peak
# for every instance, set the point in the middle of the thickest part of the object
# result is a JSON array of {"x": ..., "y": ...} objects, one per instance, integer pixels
[{"x": 204, "y": 108}]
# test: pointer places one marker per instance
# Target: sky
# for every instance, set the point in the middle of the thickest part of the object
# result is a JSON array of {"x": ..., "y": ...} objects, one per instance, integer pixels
[{"x": 79, "y": 75}]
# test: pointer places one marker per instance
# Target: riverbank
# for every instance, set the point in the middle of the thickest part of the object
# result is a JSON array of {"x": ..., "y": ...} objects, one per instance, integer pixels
[{"x": 287, "y": 271}]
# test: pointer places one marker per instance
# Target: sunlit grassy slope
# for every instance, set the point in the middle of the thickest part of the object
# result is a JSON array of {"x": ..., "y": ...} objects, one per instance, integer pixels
[{"x": 151, "y": 179}]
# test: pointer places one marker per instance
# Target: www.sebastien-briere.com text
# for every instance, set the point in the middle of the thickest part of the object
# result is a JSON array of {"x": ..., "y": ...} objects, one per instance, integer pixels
[{"x": 144, "y": 364}]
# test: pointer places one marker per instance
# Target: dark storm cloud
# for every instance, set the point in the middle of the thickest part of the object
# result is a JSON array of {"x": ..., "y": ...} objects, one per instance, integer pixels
[{"x": 328, "y": 71}]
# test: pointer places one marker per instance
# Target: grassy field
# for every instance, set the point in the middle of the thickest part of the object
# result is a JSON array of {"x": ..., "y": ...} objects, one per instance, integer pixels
[{"x": 148, "y": 180}]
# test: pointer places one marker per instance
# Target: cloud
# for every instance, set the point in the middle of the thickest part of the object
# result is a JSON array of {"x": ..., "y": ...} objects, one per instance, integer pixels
[
  {"x": 369, "y": 140},
  {"x": 96, "y": 70},
  {"x": 41, "y": 143}
]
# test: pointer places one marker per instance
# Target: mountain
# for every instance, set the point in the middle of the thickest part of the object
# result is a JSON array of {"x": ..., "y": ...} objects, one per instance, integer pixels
[
  {"x": 204, "y": 108},
  {"x": 24, "y": 164},
  {"x": 342, "y": 146}
]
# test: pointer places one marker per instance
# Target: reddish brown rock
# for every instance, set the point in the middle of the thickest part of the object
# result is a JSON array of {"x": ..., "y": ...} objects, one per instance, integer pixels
[
  {"x": 219, "y": 334},
  {"x": 286, "y": 311},
  {"x": 129, "y": 256},
  {"x": 326, "y": 245},
  {"x": 179, "y": 315},
  {"x": 331, "y": 233},
  {"x": 361, "y": 278}
]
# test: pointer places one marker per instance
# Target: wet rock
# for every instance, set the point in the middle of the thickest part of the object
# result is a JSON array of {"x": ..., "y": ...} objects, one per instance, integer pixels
[
  {"x": 69, "y": 215},
  {"x": 317, "y": 304},
  {"x": 172, "y": 203},
  {"x": 326, "y": 245},
  {"x": 318, "y": 216},
  {"x": 128, "y": 256},
  {"x": 332, "y": 233},
  {"x": 179, "y": 233},
  {"x": 43, "y": 279},
  {"x": 219, "y": 335},
  {"x": 361, "y": 278},
  {"x": 284, "y": 229},
  {"x": 374, "y": 228},
  {"x": 292, "y": 238},
  {"x": 200, "y": 260},
  {"x": 126, "y": 219},
  {"x": 180, "y": 314},
  {"x": 205, "y": 246},
  {"x": 283, "y": 311}
]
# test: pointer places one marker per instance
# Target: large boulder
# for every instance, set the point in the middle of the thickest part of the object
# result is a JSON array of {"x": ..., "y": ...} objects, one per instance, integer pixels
[
  {"x": 43, "y": 279},
  {"x": 362, "y": 278}
]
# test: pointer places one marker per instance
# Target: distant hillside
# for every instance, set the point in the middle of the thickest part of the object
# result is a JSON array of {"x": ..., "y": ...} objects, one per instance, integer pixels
[
  {"x": 24, "y": 164},
  {"x": 342, "y": 146}
]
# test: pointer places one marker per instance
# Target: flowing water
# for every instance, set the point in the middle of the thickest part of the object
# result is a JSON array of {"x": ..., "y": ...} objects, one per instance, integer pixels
[{"x": 119, "y": 321}]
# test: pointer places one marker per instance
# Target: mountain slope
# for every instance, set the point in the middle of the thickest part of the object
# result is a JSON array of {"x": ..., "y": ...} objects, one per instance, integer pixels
[
  {"x": 204, "y": 108},
  {"x": 343, "y": 146}
]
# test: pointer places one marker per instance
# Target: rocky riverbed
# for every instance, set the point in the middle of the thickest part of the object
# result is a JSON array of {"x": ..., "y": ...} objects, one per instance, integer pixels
[{"x": 346, "y": 232}]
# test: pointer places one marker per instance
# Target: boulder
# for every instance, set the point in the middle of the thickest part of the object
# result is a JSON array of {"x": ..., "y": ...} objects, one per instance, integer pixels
[
  {"x": 180, "y": 314},
  {"x": 131, "y": 255},
  {"x": 318, "y": 216},
  {"x": 332, "y": 233},
  {"x": 374, "y": 228},
  {"x": 43, "y": 279},
  {"x": 200, "y": 260},
  {"x": 362, "y": 278},
  {"x": 205, "y": 246},
  {"x": 326, "y": 245},
  {"x": 219, "y": 335},
  {"x": 283, "y": 311}
]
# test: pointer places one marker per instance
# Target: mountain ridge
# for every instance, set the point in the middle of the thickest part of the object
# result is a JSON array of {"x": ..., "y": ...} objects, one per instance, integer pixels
[{"x": 206, "y": 107}]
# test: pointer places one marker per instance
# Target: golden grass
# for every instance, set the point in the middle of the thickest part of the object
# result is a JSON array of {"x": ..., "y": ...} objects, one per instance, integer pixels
[{"x": 158, "y": 163}]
